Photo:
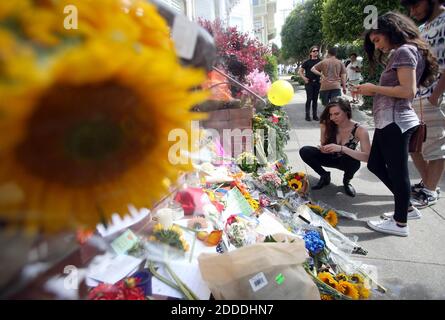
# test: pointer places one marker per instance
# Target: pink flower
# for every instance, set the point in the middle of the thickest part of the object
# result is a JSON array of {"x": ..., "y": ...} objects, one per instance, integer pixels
[
  {"x": 271, "y": 177},
  {"x": 258, "y": 82},
  {"x": 264, "y": 201}
]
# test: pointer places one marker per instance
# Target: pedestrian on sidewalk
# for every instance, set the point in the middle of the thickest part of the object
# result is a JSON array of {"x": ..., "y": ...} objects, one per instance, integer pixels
[
  {"x": 312, "y": 83},
  {"x": 409, "y": 64},
  {"x": 354, "y": 75},
  {"x": 333, "y": 76},
  {"x": 431, "y": 162},
  {"x": 339, "y": 137}
]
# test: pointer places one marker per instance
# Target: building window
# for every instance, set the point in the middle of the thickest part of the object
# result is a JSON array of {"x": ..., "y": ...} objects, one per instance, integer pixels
[
  {"x": 177, "y": 5},
  {"x": 255, "y": 2}
]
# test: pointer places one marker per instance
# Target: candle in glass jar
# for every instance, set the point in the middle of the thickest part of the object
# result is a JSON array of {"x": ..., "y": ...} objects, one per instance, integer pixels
[{"x": 165, "y": 217}]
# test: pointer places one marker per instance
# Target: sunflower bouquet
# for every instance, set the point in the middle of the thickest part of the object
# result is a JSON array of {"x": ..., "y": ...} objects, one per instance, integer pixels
[
  {"x": 351, "y": 286},
  {"x": 87, "y": 108},
  {"x": 298, "y": 182},
  {"x": 332, "y": 285},
  {"x": 330, "y": 215},
  {"x": 171, "y": 236}
]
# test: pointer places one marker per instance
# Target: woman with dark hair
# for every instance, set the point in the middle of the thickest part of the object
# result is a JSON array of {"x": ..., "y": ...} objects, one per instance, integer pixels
[
  {"x": 398, "y": 45},
  {"x": 339, "y": 138},
  {"x": 312, "y": 82}
]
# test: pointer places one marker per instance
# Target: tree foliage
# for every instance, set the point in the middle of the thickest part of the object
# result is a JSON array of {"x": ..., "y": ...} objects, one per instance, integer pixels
[
  {"x": 342, "y": 20},
  {"x": 302, "y": 29}
]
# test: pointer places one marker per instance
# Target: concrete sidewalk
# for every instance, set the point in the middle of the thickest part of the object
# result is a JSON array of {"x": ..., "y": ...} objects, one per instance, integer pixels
[{"x": 411, "y": 267}]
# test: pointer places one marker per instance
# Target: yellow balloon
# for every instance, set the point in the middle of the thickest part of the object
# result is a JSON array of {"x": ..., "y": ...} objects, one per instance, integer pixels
[{"x": 280, "y": 93}]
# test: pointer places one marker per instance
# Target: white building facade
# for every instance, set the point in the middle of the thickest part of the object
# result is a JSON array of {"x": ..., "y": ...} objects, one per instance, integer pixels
[
  {"x": 264, "y": 20},
  {"x": 205, "y": 9}
]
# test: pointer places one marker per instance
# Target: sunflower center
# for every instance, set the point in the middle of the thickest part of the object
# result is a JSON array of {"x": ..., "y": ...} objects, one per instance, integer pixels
[
  {"x": 86, "y": 135},
  {"x": 93, "y": 140}
]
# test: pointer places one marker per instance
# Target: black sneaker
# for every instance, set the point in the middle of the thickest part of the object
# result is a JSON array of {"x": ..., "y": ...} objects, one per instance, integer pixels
[
  {"x": 316, "y": 118},
  {"x": 423, "y": 199},
  {"x": 308, "y": 118},
  {"x": 415, "y": 188}
]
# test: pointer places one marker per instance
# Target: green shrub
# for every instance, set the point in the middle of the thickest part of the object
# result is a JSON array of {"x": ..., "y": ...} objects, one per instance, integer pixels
[
  {"x": 297, "y": 79},
  {"x": 271, "y": 67},
  {"x": 369, "y": 77}
]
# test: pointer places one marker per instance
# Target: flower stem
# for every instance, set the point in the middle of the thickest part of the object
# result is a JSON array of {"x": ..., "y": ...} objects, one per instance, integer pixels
[
  {"x": 184, "y": 289},
  {"x": 315, "y": 265},
  {"x": 157, "y": 275},
  {"x": 192, "y": 249}
]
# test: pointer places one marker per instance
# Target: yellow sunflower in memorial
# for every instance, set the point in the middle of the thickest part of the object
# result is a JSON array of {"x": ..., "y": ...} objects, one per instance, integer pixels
[{"x": 89, "y": 91}]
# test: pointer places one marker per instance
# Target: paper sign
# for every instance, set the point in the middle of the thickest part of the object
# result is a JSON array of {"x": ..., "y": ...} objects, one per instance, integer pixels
[
  {"x": 236, "y": 203},
  {"x": 185, "y": 36},
  {"x": 112, "y": 269},
  {"x": 124, "y": 242}
]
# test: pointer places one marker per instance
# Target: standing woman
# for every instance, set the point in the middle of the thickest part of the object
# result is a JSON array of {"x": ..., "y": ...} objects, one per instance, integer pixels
[
  {"x": 312, "y": 82},
  {"x": 409, "y": 63}
]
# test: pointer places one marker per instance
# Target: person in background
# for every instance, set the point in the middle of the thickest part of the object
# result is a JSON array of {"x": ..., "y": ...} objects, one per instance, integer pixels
[
  {"x": 409, "y": 63},
  {"x": 431, "y": 162},
  {"x": 333, "y": 76},
  {"x": 312, "y": 83},
  {"x": 354, "y": 75},
  {"x": 339, "y": 137}
]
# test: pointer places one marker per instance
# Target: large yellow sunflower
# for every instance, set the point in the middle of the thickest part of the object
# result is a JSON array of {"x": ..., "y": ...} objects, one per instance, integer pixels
[
  {"x": 85, "y": 119},
  {"x": 331, "y": 218},
  {"x": 316, "y": 208},
  {"x": 348, "y": 289},
  {"x": 295, "y": 184},
  {"x": 364, "y": 292},
  {"x": 327, "y": 278}
]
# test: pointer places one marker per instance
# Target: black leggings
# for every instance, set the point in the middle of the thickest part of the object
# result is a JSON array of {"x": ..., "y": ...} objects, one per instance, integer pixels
[
  {"x": 315, "y": 159},
  {"x": 388, "y": 160},
  {"x": 312, "y": 91}
]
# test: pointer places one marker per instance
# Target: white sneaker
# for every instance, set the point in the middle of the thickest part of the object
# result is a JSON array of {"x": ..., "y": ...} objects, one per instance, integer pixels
[
  {"x": 412, "y": 215},
  {"x": 388, "y": 226}
]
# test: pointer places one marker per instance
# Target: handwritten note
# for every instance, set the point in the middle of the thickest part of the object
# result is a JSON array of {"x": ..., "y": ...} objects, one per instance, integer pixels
[
  {"x": 124, "y": 242},
  {"x": 236, "y": 203}
]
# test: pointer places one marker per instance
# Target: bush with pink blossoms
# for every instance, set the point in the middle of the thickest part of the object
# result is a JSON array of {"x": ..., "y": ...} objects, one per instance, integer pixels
[{"x": 258, "y": 82}]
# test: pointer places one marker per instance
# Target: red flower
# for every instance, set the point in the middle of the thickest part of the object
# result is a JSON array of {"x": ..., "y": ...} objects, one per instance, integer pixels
[
  {"x": 82, "y": 235},
  {"x": 231, "y": 219},
  {"x": 123, "y": 290},
  {"x": 275, "y": 119}
]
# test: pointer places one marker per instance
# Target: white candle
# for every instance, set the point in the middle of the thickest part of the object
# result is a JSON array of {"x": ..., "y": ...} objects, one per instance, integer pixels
[{"x": 165, "y": 217}]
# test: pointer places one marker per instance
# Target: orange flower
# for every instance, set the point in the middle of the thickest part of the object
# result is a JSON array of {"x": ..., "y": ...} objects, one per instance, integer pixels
[{"x": 214, "y": 238}]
